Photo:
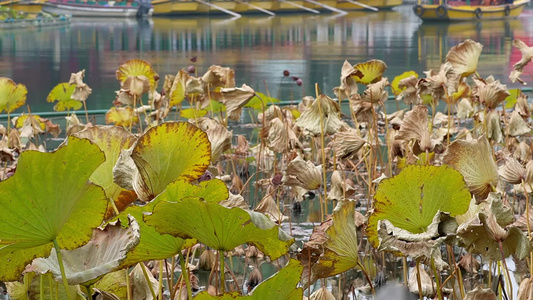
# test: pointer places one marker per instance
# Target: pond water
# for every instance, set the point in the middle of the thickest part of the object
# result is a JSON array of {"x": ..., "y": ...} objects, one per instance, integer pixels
[{"x": 312, "y": 47}]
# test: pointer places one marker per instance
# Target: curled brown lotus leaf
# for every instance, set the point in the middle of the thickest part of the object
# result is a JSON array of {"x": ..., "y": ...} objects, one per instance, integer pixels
[
  {"x": 522, "y": 152},
  {"x": 521, "y": 222},
  {"x": 303, "y": 174},
  {"x": 207, "y": 260},
  {"x": 527, "y": 57},
  {"x": 322, "y": 293},
  {"x": 490, "y": 234},
  {"x": 322, "y": 108},
  {"x": 522, "y": 106},
  {"x": 525, "y": 291},
  {"x": 340, "y": 189},
  {"x": 512, "y": 171},
  {"x": 409, "y": 91},
  {"x": 235, "y": 99},
  {"x": 167, "y": 84},
  {"x": 464, "y": 57},
  {"x": 363, "y": 110},
  {"x": 268, "y": 207},
  {"x": 469, "y": 263},
  {"x": 464, "y": 109},
  {"x": 216, "y": 78},
  {"x": 435, "y": 83},
  {"x": 347, "y": 143},
  {"x": 140, "y": 289},
  {"x": 136, "y": 85},
  {"x": 415, "y": 127},
  {"x": 82, "y": 90},
  {"x": 425, "y": 246},
  {"x": 348, "y": 85},
  {"x": 306, "y": 102},
  {"x": 490, "y": 92},
  {"x": 218, "y": 135},
  {"x": 517, "y": 126},
  {"x": 234, "y": 201},
  {"x": 479, "y": 293},
  {"x": 428, "y": 286},
  {"x": 376, "y": 92},
  {"x": 473, "y": 159},
  {"x": 243, "y": 147},
  {"x": 272, "y": 112},
  {"x": 281, "y": 138},
  {"x": 494, "y": 126}
]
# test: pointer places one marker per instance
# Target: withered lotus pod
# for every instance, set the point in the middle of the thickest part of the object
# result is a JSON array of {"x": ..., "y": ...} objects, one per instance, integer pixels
[{"x": 527, "y": 57}]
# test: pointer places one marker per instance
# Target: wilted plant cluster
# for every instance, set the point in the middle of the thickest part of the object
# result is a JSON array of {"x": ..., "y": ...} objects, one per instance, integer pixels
[{"x": 118, "y": 210}]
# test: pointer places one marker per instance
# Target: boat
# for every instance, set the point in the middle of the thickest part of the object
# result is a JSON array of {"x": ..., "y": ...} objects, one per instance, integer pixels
[
  {"x": 79, "y": 8},
  {"x": 365, "y": 4},
  {"x": 27, "y": 6},
  {"x": 470, "y": 10},
  {"x": 201, "y": 7}
]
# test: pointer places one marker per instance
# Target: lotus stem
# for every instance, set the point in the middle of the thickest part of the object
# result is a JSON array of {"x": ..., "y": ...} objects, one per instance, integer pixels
[
  {"x": 185, "y": 274},
  {"x": 160, "y": 292},
  {"x": 222, "y": 272},
  {"x": 169, "y": 277},
  {"x": 148, "y": 282},
  {"x": 367, "y": 277},
  {"x": 128, "y": 287},
  {"x": 86, "y": 113},
  {"x": 61, "y": 268},
  {"x": 405, "y": 277},
  {"x": 89, "y": 291},
  {"x": 325, "y": 188},
  {"x": 507, "y": 275},
  {"x": 437, "y": 279},
  {"x": 418, "y": 280},
  {"x": 50, "y": 282},
  {"x": 41, "y": 288}
]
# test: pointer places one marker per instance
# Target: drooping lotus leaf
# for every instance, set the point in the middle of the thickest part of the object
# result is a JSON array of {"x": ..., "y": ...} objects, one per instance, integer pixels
[
  {"x": 322, "y": 293},
  {"x": 490, "y": 92},
  {"x": 49, "y": 198},
  {"x": 435, "y": 83},
  {"x": 310, "y": 118},
  {"x": 214, "y": 225},
  {"x": 219, "y": 136},
  {"x": 525, "y": 291},
  {"x": 339, "y": 248},
  {"x": 103, "y": 254},
  {"x": 474, "y": 160},
  {"x": 427, "y": 284},
  {"x": 281, "y": 137},
  {"x": 303, "y": 174},
  {"x": 30, "y": 289},
  {"x": 517, "y": 126},
  {"x": 527, "y": 57},
  {"x": 270, "y": 208},
  {"x": 483, "y": 233},
  {"x": 113, "y": 283},
  {"x": 464, "y": 57},
  {"x": 177, "y": 89},
  {"x": 12, "y": 95},
  {"x": 479, "y": 293},
  {"x": 163, "y": 154},
  {"x": 409, "y": 90},
  {"x": 347, "y": 143},
  {"x": 512, "y": 171},
  {"x": 494, "y": 128},
  {"x": 415, "y": 127},
  {"x": 139, "y": 284},
  {"x": 218, "y": 77},
  {"x": 348, "y": 86},
  {"x": 280, "y": 286},
  {"x": 376, "y": 92},
  {"x": 111, "y": 140},
  {"x": 154, "y": 245},
  {"x": 82, "y": 90},
  {"x": 121, "y": 116},
  {"x": 370, "y": 71},
  {"x": 411, "y": 199},
  {"x": 34, "y": 119},
  {"x": 62, "y": 93},
  {"x": 341, "y": 188},
  {"x": 235, "y": 99},
  {"x": 464, "y": 109},
  {"x": 137, "y": 67}
]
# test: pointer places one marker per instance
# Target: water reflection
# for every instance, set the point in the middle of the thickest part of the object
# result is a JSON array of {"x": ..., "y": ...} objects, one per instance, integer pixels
[{"x": 312, "y": 47}]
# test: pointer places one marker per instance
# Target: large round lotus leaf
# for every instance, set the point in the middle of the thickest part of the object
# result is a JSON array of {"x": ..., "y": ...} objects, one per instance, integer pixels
[
  {"x": 154, "y": 245},
  {"x": 162, "y": 155},
  {"x": 411, "y": 199},
  {"x": 214, "y": 225},
  {"x": 12, "y": 95},
  {"x": 111, "y": 140},
  {"x": 281, "y": 286},
  {"x": 49, "y": 198},
  {"x": 137, "y": 67},
  {"x": 62, "y": 93}
]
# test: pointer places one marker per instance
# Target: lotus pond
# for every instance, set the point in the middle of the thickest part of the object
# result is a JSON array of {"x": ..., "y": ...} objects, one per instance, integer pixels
[{"x": 193, "y": 187}]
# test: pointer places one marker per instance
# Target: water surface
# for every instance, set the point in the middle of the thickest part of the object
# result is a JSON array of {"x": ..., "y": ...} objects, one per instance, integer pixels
[{"x": 312, "y": 47}]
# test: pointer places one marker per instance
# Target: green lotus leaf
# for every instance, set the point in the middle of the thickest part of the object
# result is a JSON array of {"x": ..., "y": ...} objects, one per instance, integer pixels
[
  {"x": 510, "y": 101},
  {"x": 411, "y": 199},
  {"x": 370, "y": 71},
  {"x": 62, "y": 94},
  {"x": 162, "y": 155},
  {"x": 216, "y": 107},
  {"x": 260, "y": 100},
  {"x": 214, "y": 225},
  {"x": 337, "y": 238},
  {"x": 49, "y": 198},
  {"x": 154, "y": 245},
  {"x": 12, "y": 95},
  {"x": 193, "y": 113},
  {"x": 114, "y": 283},
  {"x": 280, "y": 286},
  {"x": 111, "y": 140},
  {"x": 103, "y": 254},
  {"x": 396, "y": 81},
  {"x": 30, "y": 288}
]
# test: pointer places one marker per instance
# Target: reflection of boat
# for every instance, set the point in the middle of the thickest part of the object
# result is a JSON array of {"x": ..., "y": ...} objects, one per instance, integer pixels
[
  {"x": 469, "y": 10},
  {"x": 90, "y": 8},
  {"x": 24, "y": 5}
]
